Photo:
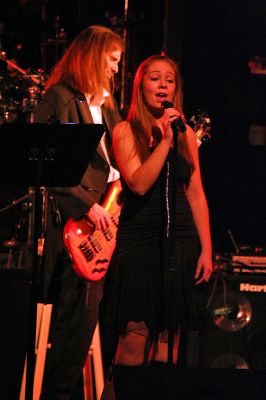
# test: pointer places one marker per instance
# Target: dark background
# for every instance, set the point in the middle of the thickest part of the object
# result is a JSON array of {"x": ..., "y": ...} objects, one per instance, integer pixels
[{"x": 213, "y": 41}]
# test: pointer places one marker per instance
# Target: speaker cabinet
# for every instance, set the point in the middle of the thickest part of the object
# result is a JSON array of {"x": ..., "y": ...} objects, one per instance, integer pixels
[{"x": 235, "y": 335}]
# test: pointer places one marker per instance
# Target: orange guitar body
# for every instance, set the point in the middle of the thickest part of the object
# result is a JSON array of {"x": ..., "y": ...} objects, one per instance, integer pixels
[{"x": 90, "y": 249}]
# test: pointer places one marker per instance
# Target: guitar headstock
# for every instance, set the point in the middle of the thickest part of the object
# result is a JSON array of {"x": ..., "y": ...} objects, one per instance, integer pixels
[{"x": 201, "y": 124}]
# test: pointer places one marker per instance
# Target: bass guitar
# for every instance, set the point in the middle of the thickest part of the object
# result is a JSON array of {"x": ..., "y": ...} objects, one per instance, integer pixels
[{"x": 91, "y": 249}]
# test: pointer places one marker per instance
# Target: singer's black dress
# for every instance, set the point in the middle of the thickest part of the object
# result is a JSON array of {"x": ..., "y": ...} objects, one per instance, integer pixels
[{"x": 138, "y": 285}]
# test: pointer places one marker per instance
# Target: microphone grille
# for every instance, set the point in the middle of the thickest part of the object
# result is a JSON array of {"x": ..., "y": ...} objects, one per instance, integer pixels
[{"x": 166, "y": 104}]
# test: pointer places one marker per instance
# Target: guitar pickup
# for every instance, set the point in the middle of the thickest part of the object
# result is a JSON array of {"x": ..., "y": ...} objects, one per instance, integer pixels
[
  {"x": 108, "y": 234},
  {"x": 96, "y": 245},
  {"x": 88, "y": 253},
  {"x": 115, "y": 221}
]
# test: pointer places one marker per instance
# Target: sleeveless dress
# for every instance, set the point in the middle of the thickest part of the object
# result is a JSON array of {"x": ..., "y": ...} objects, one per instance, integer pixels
[{"x": 151, "y": 278}]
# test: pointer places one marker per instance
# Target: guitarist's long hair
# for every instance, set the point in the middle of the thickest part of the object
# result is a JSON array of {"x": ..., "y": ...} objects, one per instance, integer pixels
[
  {"x": 141, "y": 120},
  {"x": 83, "y": 65}
]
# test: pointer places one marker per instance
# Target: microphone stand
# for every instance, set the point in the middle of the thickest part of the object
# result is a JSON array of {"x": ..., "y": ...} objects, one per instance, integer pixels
[
  {"x": 170, "y": 273},
  {"x": 171, "y": 259}
]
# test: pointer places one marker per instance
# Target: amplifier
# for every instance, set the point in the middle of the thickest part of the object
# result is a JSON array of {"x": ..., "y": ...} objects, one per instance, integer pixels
[
  {"x": 235, "y": 333},
  {"x": 248, "y": 263},
  {"x": 240, "y": 263},
  {"x": 251, "y": 261}
]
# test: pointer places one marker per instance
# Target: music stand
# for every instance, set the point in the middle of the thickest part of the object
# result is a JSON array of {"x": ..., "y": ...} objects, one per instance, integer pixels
[{"x": 40, "y": 155}]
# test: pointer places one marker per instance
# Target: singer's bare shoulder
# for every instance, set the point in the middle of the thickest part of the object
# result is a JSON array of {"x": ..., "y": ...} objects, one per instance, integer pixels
[
  {"x": 122, "y": 131},
  {"x": 123, "y": 139}
]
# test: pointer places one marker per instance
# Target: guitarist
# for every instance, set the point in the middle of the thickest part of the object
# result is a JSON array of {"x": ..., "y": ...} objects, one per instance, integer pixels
[{"x": 79, "y": 90}]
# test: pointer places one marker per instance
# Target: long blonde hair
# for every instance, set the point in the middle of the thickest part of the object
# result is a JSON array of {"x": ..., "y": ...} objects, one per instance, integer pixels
[
  {"x": 140, "y": 118},
  {"x": 83, "y": 65}
]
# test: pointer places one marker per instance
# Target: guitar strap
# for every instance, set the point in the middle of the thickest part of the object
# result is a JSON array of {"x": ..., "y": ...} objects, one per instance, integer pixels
[
  {"x": 87, "y": 118},
  {"x": 84, "y": 110}
]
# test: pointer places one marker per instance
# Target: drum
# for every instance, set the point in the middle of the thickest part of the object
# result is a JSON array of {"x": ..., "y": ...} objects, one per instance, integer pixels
[
  {"x": 9, "y": 111},
  {"x": 19, "y": 94}
]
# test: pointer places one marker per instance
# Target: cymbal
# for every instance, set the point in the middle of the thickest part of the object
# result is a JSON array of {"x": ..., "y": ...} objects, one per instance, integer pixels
[{"x": 232, "y": 312}]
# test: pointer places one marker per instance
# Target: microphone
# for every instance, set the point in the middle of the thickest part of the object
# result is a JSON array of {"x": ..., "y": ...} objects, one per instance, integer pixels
[{"x": 177, "y": 123}]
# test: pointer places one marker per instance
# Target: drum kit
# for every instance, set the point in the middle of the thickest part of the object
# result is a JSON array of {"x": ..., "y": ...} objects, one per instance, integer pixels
[
  {"x": 20, "y": 92},
  {"x": 20, "y": 89}
]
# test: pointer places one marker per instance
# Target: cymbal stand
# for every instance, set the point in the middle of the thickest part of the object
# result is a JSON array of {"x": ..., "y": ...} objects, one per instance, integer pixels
[
  {"x": 15, "y": 243},
  {"x": 28, "y": 104},
  {"x": 12, "y": 64},
  {"x": 170, "y": 273},
  {"x": 58, "y": 41},
  {"x": 15, "y": 202}
]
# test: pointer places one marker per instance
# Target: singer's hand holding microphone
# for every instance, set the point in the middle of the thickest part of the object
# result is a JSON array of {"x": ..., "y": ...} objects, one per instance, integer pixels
[{"x": 174, "y": 117}]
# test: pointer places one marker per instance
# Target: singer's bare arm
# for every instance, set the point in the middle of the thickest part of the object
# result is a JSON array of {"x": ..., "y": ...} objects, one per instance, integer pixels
[
  {"x": 140, "y": 176},
  {"x": 197, "y": 200}
]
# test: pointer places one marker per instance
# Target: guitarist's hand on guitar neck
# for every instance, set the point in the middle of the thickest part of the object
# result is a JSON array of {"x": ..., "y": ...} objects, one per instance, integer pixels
[{"x": 99, "y": 216}]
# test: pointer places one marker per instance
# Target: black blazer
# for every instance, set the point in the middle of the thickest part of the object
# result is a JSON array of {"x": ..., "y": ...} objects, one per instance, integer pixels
[{"x": 61, "y": 103}]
